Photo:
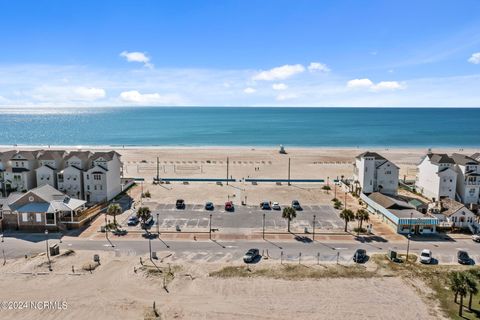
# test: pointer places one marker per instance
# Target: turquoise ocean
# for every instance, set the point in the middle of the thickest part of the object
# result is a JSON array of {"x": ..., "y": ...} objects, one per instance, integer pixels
[{"x": 241, "y": 126}]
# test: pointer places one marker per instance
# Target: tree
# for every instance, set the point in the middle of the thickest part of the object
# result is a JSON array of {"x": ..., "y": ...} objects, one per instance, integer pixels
[
  {"x": 472, "y": 288},
  {"x": 348, "y": 216},
  {"x": 289, "y": 213},
  {"x": 113, "y": 210},
  {"x": 144, "y": 213},
  {"x": 362, "y": 215},
  {"x": 458, "y": 284}
]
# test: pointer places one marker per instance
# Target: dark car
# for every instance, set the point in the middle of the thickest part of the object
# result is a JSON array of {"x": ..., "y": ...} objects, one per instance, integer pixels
[
  {"x": 148, "y": 223},
  {"x": 209, "y": 206},
  {"x": 463, "y": 257},
  {"x": 132, "y": 221},
  {"x": 180, "y": 204},
  {"x": 229, "y": 206},
  {"x": 251, "y": 255},
  {"x": 296, "y": 205},
  {"x": 265, "y": 205},
  {"x": 360, "y": 256}
]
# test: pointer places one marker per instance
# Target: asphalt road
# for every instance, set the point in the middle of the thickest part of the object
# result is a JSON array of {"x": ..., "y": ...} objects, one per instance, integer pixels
[{"x": 17, "y": 245}]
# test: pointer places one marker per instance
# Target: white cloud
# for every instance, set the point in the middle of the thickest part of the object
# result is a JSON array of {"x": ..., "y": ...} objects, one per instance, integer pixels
[
  {"x": 137, "y": 57},
  {"x": 475, "y": 58},
  {"x": 136, "y": 97},
  {"x": 279, "y": 73},
  {"x": 249, "y": 90},
  {"x": 387, "y": 85},
  {"x": 368, "y": 84},
  {"x": 317, "y": 66},
  {"x": 287, "y": 96},
  {"x": 279, "y": 86},
  {"x": 360, "y": 83},
  {"x": 67, "y": 93}
]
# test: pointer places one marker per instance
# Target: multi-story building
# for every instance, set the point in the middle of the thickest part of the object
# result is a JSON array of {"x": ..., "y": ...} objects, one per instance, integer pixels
[
  {"x": 374, "y": 173},
  {"x": 70, "y": 179},
  {"x": 5, "y": 183},
  {"x": 102, "y": 181},
  {"x": 20, "y": 172},
  {"x": 49, "y": 163},
  {"x": 468, "y": 178},
  {"x": 436, "y": 177}
]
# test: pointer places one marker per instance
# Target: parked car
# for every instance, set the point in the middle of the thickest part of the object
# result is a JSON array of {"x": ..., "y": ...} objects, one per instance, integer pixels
[
  {"x": 360, "y": 256},
  {"x": 209, "y": 206},
  {"x": 119, "y": 232},
  {"x": 296, "y": 205},
  {"x": 463, "y": 257},
  {"x": 476, "y": 237},
  {"x": 132, "y": 221},
  {"x": 251, "y": 255},
  {"x": 265, "y": 205},
  {"x": 148, "y": 223},
  {"x": 426, "y": 256},
  {"x": 229, "y": 206},
  {"x": 276, "y": 206},
  {"x": 180, "y": 204}
]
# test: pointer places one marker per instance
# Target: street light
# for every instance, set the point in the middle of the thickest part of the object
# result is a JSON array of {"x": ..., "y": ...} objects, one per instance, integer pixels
[
  {"x": 48, "y": 253},
  {"x": 313, "y": 236},
  {"x": 210, "y": 227},
  {"x": 263, "y": 231},
  {"x": 158, "y": 224},
  {"x": 409, "y": 234}
]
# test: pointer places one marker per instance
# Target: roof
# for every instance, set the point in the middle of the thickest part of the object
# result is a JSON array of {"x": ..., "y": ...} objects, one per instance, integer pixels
[
  {"x": 390, "y": 202},
  {"x": 82, "y": 155},
  {"x": 105, "y": 155},
  {"x": 7, "y": 155},
  {"x": 370, "y": 154},
  {"x": 463, "y": 160},
  {"x": 51, "y": 155},
  {"x": 475, "y": 156},
  {"x": 440, "y": 158},
  {"x": 448, "y": 207},
  {"x": 407, "y": 213},
  {"x": 27, "y": 155},
  {"x": 47, "y": 193}
]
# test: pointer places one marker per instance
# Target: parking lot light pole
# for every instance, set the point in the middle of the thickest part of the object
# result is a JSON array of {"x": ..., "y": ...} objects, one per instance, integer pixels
[
  {"x": 313, "y": 235},
  {"x": 48, "y": 253},
  {"x": 263, "y": 227},
  {"x": 210, "y": 227},
  {"x": 150, "y": 247},
  {"x": 158, "y": 225}
]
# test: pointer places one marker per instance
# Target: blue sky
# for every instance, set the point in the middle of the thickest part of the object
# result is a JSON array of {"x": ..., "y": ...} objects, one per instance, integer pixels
[{"x": 306, "y": 53}]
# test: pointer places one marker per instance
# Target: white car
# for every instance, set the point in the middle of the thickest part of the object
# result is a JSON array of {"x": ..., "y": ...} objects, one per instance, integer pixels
[
  {"x": 276, "y": 206},
  {"x": 476, "y": 237},
  {"x": 426, "y": 256}
]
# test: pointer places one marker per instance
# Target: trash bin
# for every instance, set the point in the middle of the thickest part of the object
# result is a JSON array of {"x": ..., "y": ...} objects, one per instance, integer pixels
[{"x": 54, "y": 250}]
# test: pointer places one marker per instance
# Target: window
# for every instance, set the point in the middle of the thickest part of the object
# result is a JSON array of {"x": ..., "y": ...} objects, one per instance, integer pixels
[
  {"x": 388, "y": 172},
  {"x": 38, "y": 217},
  {"x": 24, "y": 217},
  {"x": 88, "y": 187},
  {"x": 60, "y": 178},
  {"x": 94, "y": 187},
  {"x": 97, "y": 177},
  {"x": 88, "y": 177}
]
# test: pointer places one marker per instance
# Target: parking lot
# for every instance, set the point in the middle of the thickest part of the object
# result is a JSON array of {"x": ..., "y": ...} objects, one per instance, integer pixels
[{"x": 195, "y": 217}]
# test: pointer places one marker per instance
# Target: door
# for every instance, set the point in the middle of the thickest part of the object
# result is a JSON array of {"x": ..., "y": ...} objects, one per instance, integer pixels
[{"x": 417, "y": 229}]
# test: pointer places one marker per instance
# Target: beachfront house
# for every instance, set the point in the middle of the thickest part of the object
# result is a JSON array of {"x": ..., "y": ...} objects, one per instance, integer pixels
[
  {"x": 50, "y": 162},
  {"x": 374, "y": 173},
  {"x": 39, "y": 209},
  {"x": 19, "y": 174},
  {"x": 70, "y": 179},
  {"x": 4, "y": 164},
  {"x": 102, "y": 181},
  {"x": 436, "y": 176},
  {"x": 453, "y": 214},
  {"x": 468, "y": 179},
  {"x": 399, "y": 214}
]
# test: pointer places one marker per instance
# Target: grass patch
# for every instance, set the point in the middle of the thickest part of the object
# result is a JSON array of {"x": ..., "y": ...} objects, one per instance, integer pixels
[{"x": 294, "y": 272}]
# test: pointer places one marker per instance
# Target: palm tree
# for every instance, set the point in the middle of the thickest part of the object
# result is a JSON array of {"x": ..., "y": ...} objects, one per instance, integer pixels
[
  {"x": 112, "y": 210},
  {"x": 348, "y": 216},
  {"x": 289, "y": 213},
  {"x": 458, "y": 284},
  {"x": 472, "y": 288},
  {"x": 143, "y": 213},
  {"x": 361, "y": 215}
]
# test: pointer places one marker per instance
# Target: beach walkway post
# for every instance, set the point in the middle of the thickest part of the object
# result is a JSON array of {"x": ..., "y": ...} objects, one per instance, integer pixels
[{"x": 289, "y": 171}]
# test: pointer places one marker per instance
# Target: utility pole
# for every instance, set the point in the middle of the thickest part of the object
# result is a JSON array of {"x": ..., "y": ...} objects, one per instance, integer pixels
[
  {"x": 227, "y": 169},
  {"x": 263, "y": 232},
  {"x": 158, "y": 169},
  {"x": 345, "y": 200},
  {"x": 288, "y": 171},
  {"x": 48, "y": 253},
  {"x": 409, "y": 235},
  {"x": 335, "y": 190},
  {"x": 313, "y": 236},
  {"x": 210, "y": 227}
]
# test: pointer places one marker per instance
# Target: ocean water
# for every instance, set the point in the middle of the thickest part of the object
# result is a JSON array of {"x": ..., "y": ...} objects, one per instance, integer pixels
[{"x": 236, "y": 126}]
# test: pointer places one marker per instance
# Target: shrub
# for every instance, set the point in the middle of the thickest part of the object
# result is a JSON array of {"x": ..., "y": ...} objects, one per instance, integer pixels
[{"x": 326, "y": 188}]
